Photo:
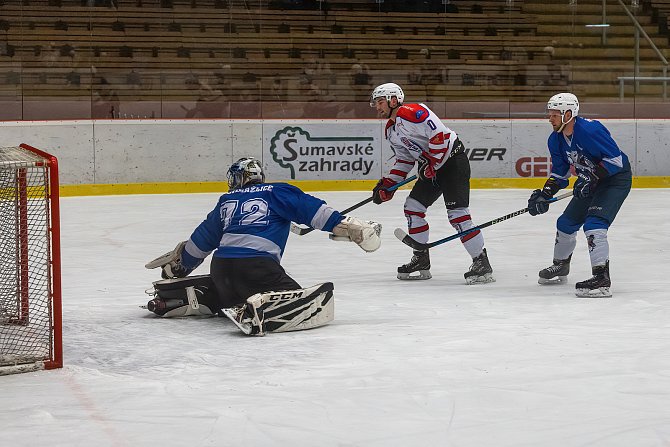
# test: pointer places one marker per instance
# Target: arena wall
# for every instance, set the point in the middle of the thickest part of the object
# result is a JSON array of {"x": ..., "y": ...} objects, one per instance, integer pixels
[{"x": 155, "y": 156}]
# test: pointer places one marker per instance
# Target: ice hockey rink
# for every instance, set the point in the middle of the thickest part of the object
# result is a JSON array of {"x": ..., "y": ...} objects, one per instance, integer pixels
[{"x": 405, "y": 363}]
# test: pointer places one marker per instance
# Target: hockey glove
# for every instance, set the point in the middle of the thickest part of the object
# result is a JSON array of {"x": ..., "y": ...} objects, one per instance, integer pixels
[
  {"x": 425, "y": 170},
  {"x": 364, "y": 233},
  {"x": 380, "y": 193},
  {"x": 585, "y": 185},
  {"x": 175, "y": 269},
  {"x": 538, "y": 203}
]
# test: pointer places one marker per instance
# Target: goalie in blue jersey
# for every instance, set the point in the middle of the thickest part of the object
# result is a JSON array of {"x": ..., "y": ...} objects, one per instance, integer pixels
[
  {"x": 247, "y": 232},
  {"x": 603, "y": 182}
]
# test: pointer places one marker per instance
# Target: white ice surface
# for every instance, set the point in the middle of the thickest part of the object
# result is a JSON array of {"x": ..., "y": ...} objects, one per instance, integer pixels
[{"x": 427, "y": 363}]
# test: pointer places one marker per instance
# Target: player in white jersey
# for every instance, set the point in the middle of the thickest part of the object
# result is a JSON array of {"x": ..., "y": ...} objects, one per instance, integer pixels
[
  {"x": 418, "y": 137},
  {"x": 603, "y": 182}
]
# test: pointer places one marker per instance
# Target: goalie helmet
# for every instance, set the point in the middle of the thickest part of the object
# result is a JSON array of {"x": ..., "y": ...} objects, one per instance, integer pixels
[
  {"x": 387, "y": 91},
  {"x": 245, "y": 171},
  {"x": 564, "y": 102}
]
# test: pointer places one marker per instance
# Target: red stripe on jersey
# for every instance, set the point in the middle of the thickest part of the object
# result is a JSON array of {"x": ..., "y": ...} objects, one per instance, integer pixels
[
  {"x": 438, "y": 150},
  {"x": 457, "y": 220},
  {"x": 420, "y": 229},
  {"x": 415, "y": 213},
  {"x": 389, "y": 123},
  {"x": 405, "y": 161},
  {"x": 437, "y": 139},
  {"x": 398, "y": 172},
  {"x": 469, "y": 236}
]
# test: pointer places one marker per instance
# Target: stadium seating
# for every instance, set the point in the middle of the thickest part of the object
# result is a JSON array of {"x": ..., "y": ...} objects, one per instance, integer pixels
[{"x": 331, "y": 51}]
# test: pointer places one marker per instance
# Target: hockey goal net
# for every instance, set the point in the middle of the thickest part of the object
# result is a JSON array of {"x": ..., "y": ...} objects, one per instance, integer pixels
[{"x": 30, "y": 295}]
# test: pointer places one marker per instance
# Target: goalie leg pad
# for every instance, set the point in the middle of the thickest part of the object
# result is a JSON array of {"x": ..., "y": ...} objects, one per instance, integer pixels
[
  {"x": 182, "y": 297},
  {"x": 292, "y": 310},
  {"x": 364, "y": 233}
]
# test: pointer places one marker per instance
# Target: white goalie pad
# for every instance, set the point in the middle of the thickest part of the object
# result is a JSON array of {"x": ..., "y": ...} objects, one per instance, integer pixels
[
  {"x": 364, "y": 233},
  {"x": 292, "y": 310}
]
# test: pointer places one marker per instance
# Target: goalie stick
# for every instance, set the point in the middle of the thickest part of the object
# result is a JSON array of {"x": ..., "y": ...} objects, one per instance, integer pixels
[
  {"x": 300, "y": 231},
  {"x": 408, "y": 240}
]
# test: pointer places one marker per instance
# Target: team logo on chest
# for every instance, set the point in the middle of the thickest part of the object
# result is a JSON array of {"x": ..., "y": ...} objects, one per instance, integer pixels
[{"x": 409, "y": 144}]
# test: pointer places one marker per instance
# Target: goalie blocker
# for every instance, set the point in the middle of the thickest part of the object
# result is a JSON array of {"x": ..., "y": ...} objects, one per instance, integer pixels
[{"x": 283, "y": 311}]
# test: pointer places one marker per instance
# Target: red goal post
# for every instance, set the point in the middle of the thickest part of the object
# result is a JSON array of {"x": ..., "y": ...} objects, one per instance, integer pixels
[{"x": 30, "y": 267}]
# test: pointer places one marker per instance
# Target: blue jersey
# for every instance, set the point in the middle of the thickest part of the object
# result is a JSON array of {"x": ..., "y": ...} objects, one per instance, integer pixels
[
  {"x": 590, "y": 146},
  {"x": 255, "y": 221}
]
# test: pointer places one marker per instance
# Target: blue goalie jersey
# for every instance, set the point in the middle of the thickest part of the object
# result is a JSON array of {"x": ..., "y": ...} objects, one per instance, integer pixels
[
  {"x": 590, "y": 146},
  {"x": 255, "y": 221}
]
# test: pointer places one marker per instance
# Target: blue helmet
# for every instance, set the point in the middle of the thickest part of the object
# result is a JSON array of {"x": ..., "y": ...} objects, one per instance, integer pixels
[{"x": 245, "y": 171}]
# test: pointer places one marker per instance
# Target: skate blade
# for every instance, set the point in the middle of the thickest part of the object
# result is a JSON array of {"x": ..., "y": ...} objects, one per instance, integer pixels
[
  {"x": 422, "y": 274},
  {"x": 483, "y": 279},
  {"x": 554, "y": 281},
  {"x": 602, "y": 292},
  {"x": 232, "y": 315}
]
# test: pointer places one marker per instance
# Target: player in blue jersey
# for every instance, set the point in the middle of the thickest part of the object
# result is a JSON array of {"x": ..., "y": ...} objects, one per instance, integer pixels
[
  {"x": 418, "y": 137},
  {"x": 247, "y": 233},
  {"x": 603, "y": 182}
]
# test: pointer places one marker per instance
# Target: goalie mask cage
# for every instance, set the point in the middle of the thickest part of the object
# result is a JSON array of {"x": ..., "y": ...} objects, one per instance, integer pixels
[{"x": 30, "y": 291}]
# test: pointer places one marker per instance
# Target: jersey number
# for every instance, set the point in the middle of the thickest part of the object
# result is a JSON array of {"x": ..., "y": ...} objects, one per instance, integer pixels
[{"x": 253, "y": 212}]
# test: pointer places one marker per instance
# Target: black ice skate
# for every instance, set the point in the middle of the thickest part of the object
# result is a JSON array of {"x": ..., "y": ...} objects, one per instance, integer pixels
[
  {"x": 598, "y": 286},
  {"x": 480, "y": 271},
  {"x": 556, "y": 273},
  {"x": 420, "y": 263}
]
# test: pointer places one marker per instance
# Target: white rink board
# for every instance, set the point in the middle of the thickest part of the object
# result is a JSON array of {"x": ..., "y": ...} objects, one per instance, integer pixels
[{"x": 139, "y": 151}]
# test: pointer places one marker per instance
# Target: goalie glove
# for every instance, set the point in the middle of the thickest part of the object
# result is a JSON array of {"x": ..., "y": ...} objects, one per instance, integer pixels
[
  {"x": 171, "y": 263},
  {"x": 364, "y": 233}
]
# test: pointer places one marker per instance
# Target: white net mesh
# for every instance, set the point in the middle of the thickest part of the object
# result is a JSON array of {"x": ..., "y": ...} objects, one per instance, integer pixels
[{"x": 26, "y": 329}]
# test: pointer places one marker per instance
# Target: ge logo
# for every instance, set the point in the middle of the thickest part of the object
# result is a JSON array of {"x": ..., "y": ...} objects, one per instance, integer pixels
[{"x": 533, "y": 166}]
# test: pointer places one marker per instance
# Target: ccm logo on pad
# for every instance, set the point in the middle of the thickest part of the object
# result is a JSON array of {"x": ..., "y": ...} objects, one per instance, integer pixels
[{"x": 285, "y": 296}]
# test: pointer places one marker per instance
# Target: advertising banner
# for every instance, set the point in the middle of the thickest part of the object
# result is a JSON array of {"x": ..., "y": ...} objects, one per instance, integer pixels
[
  {"x": 139, "y": 151},
  {"x": 318, "y": 150}
]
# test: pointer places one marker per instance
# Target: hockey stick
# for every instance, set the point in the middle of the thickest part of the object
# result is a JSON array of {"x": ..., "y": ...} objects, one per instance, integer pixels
[
  {"x": 295, "y": 228},
  {"x": 408, "y": 240}
]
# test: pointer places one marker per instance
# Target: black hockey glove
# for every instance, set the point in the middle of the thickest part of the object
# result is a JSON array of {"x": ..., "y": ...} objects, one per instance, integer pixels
[
  {"x": 425, "y": 170},
  {"x": 175, "y": 270},
  {"x": 587, "y": 181},
  {"x": 538, "y": 203}
]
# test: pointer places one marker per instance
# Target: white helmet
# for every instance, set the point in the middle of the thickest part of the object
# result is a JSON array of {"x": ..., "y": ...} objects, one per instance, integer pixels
[
  {"x": 564, "y": 102},
  {"x": 388, "y": 91},
  {"x": 245, "y": 171}
]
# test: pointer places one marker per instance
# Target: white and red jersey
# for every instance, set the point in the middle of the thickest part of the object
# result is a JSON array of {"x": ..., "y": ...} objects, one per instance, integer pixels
[{"x": 417, "y": 131}]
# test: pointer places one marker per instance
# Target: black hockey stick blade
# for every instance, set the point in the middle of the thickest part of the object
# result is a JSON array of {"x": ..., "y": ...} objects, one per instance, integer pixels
[
  {"x": 300, "y": 231},
  {"x": 408, "y": 240}
]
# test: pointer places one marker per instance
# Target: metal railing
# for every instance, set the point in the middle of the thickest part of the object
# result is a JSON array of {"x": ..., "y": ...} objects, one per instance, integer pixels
[
  {"x": 637, "y": 78},
  {"x": 663, "y": 79}
]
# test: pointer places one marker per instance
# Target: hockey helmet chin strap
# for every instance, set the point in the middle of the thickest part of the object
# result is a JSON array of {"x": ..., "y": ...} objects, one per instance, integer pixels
[
  {"x": 563, "y": 122},
  {"x": 391, "y": 109}
]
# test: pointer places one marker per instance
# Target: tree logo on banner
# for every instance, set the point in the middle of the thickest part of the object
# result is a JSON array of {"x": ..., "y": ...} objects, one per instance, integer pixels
[{"x": 296, "y": 149}]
